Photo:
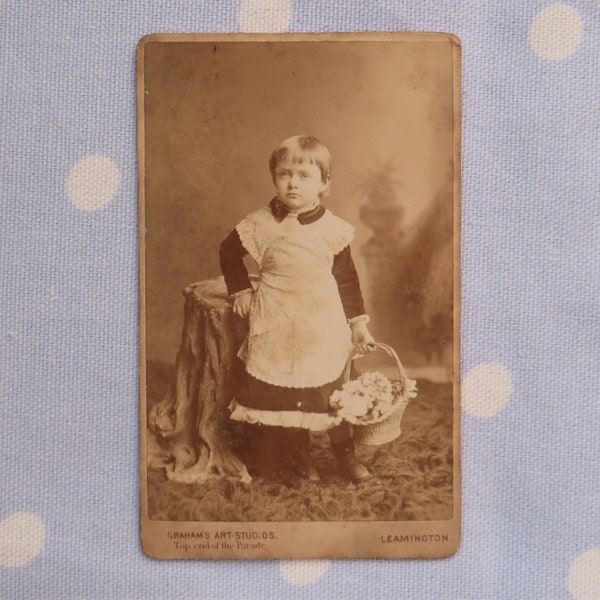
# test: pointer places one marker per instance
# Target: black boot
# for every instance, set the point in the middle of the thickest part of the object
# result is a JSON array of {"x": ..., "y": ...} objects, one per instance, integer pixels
[
  {"x": 302, "y": 462},
  {"x": 348, "y": 465}
]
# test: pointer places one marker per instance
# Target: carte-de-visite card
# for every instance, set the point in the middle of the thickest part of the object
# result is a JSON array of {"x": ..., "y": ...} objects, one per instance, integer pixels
[{"x": 299, "y": 295}]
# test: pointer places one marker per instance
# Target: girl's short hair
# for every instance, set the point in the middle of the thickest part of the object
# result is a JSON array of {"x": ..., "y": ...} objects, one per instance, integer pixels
[{"x": 299, "y": 149}]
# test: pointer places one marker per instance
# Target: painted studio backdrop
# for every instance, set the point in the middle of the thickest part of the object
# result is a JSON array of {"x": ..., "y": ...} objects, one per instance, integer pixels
[{"x": 214, "y": 113}]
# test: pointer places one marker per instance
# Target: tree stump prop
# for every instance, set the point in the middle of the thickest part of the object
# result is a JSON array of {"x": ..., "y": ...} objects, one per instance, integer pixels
[{"x": 190, "y": 433}]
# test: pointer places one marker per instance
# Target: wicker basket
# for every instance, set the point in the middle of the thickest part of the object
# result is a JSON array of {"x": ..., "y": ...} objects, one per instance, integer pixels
[{"x": 387, "y": 428}]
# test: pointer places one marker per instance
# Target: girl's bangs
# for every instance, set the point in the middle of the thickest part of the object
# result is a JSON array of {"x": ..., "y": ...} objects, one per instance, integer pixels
[{"x": 298, "y": 156}]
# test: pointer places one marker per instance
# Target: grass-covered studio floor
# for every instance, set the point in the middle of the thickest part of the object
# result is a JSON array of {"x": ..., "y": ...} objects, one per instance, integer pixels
[{"x": 413, "y": 478}]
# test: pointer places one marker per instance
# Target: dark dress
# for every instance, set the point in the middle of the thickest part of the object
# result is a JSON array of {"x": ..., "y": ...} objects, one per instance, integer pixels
[{"x": 265, "y": 396}]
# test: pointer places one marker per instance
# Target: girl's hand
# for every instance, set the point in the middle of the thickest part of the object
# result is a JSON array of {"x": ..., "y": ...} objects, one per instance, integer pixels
[
  {"x": 241, "y": 305},
  {"x": 362, "y": 339}
]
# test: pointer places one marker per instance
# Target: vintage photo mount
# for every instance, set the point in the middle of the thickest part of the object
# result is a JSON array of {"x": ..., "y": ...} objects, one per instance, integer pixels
[{"x": 189, "y": 539}]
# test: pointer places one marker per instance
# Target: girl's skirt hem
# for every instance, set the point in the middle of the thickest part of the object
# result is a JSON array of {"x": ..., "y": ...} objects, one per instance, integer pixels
[{"x": 283, "y": 418}]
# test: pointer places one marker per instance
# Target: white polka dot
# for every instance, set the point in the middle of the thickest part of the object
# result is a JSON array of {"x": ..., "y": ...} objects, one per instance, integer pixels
[
  {"x": 93, "y": 182},
  {"x": 265, "y": 15},
  {"x": 486, "y": 390},
  {"x": 584, "y": 576},
  {"x": 303, "y": 572},
  {"x": 556, "y": 32},
  {"x": 21, "y": 539}
]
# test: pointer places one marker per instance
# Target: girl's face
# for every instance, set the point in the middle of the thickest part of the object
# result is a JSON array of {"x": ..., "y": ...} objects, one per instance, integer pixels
[{"x": 298, "y": 185}]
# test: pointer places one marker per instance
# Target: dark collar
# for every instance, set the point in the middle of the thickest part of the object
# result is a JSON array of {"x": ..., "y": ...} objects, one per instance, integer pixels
[{"x": 280, "y": 212}]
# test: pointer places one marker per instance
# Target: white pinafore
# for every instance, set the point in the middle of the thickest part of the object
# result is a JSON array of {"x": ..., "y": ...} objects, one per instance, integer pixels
[{"x": 298, "y": 333}]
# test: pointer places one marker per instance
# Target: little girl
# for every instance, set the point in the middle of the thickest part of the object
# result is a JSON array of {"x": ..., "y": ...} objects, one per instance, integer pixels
[{"x": 306, "y": 312}]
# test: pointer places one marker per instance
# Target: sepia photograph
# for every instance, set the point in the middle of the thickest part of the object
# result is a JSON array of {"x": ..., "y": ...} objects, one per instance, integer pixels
[{"x": 299, "y": 295}]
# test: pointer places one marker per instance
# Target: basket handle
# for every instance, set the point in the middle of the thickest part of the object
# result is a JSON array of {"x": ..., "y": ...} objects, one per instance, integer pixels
[{"x": 387, "y": 349}]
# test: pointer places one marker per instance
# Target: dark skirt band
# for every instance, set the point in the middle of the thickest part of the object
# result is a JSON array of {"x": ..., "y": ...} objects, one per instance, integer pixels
[{"x": 265, "y": 396}]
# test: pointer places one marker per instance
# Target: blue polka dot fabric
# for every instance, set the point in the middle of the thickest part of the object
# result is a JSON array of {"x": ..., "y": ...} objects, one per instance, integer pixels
[{"x": 530, "y": 283}]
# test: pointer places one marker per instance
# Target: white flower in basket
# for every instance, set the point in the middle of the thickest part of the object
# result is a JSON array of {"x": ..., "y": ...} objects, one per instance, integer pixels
[
  {"x": 364, "y": 399},
  {"x": 372, "y": 403}
]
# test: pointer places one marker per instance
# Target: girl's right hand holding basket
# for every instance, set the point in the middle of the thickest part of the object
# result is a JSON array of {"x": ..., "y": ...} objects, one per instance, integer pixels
[{"x": 362, "y": 339}]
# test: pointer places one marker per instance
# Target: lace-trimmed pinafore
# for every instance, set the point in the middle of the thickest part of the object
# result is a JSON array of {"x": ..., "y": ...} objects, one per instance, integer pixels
[{"x": 298, "y": 334}]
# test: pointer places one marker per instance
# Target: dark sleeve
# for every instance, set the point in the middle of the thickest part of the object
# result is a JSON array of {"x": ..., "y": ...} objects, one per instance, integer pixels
[
  {"x": 346, "y": 278},
  {"x": 231, "y": 256}
]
